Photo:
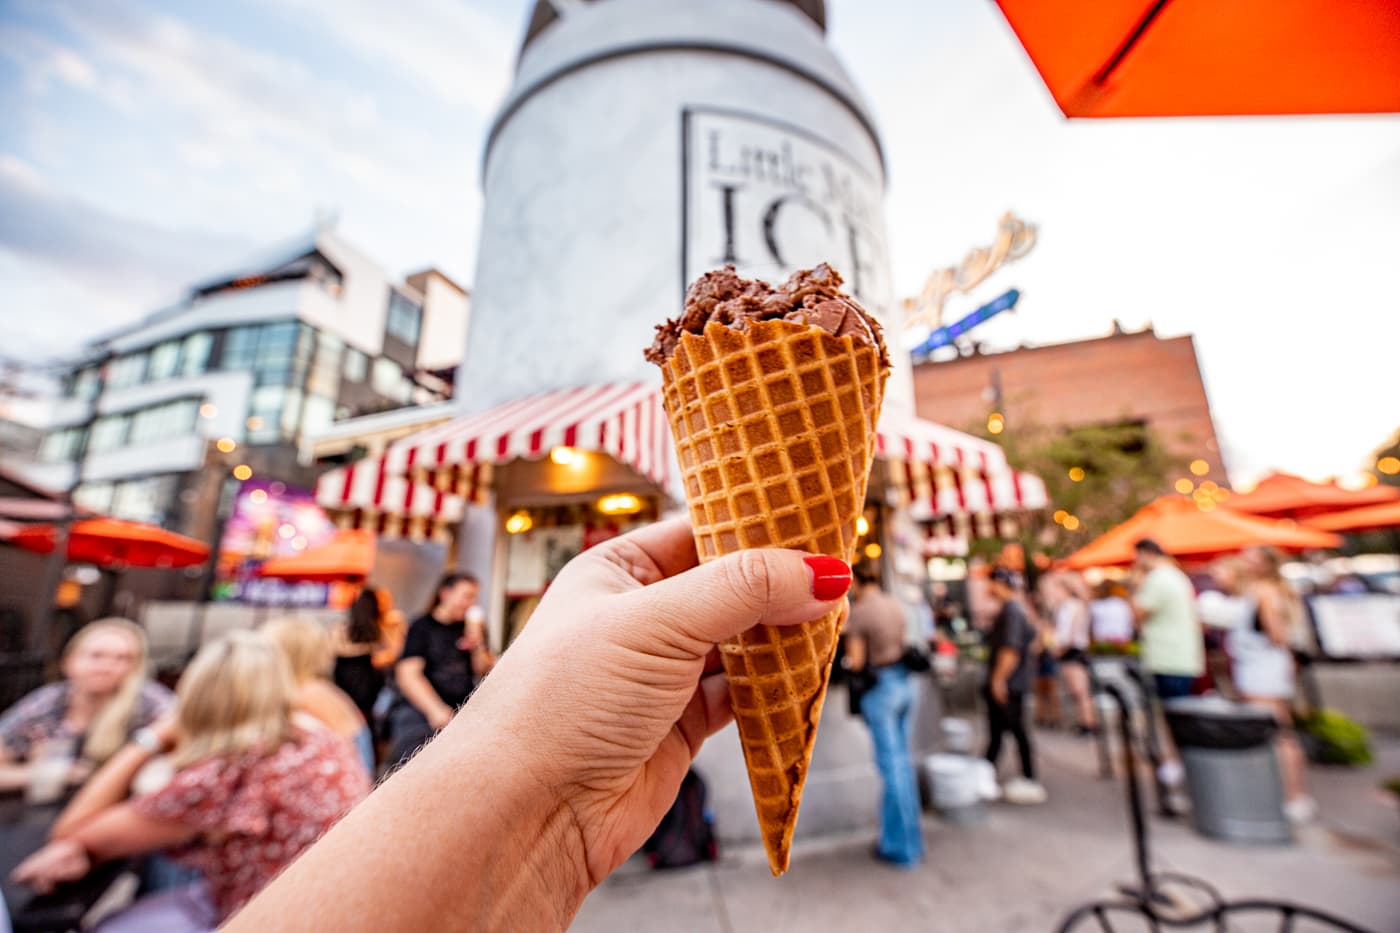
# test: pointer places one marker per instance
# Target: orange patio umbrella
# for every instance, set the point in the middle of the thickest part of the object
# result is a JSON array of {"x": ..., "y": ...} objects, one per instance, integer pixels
[
  {"x": 1283, "y": 495},
  {"x": 1184, "y": 531},
  {"x": 1370, "y": 518},
  {"x": 347, "y": 556},
  {"x": 1179, "y": 58},
  {"x": 112, "y": 542}
]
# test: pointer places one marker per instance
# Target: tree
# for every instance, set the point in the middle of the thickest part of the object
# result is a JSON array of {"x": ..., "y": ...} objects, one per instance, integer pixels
[{"x": 1097, "y": 476}]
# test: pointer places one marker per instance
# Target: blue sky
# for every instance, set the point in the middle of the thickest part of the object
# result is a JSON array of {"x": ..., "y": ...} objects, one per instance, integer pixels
[{"x": 147, "y": 144}]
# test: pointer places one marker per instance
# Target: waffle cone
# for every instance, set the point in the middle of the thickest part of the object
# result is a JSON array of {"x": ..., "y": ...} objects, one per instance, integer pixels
[{"x": 775, "y": 432}]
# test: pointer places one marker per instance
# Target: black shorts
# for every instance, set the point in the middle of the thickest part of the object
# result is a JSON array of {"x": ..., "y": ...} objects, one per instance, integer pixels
[{"x": 1075, "y": 656}]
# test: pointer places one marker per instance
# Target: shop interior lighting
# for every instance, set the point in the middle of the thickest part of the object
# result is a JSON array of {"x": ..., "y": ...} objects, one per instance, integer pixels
[
  {"x": 242, "y": 472},
  {"x": 619, "y": 503},
  {"x": 254, "y": 423},
  {"x": 862, "y": 526},
  {"x": 563, "y": 455},
  {"x": 519, "y": 523}
]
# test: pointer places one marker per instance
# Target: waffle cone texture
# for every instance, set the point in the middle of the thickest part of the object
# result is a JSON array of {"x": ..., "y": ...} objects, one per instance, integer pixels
[{"x": 775, "y": 432}]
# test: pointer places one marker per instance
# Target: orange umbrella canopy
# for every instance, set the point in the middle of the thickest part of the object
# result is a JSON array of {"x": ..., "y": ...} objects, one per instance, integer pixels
[
  {"x": 1283, "y": 495},
  {"x": 1177, "y": 58},
  {"x": 1184, "y": 531},
  {"x": 112, "y": 542},
  {"x": 1370, "y": 518},
  {"x": 348, "y": 556}
]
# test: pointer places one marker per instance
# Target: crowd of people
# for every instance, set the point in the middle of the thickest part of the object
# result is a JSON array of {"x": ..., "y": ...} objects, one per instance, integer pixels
[{"x": 272, "y": 735}]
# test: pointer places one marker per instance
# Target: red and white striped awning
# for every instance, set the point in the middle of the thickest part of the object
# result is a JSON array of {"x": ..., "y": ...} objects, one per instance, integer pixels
[
  {"x": 624, "y": 421},
  {"x": 364, "y": 494},
  {"x": 908, "y": 439}
]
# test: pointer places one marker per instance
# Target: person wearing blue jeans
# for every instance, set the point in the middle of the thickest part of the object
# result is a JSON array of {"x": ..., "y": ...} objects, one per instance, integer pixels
[{"x": 874, "y": 636}]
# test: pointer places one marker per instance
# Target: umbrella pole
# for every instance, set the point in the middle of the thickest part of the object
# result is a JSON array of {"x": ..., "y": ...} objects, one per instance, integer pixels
[{"x": 42, "y": 619}]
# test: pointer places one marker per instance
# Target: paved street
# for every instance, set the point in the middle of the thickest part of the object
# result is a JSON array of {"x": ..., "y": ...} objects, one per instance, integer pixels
[{"x": 1023, "y": 869}]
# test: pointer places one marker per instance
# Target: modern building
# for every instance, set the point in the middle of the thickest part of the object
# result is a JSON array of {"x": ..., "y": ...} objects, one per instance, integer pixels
[
  {"x": 239, "y": 372},
  {"x": 1124, "y": 378}
]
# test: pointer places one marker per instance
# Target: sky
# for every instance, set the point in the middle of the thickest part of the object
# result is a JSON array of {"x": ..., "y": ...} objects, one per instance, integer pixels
[{"x": 146, "y": 145}]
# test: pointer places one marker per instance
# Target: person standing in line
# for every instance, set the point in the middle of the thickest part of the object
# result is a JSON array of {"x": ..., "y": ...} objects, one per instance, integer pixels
[
  {"x": 1110, "y": 615},
  {"x": 366, "y": 645},
  {"x": 437, "y": 670},
  {"x": 875, "y": 636},
  {"x": 1264, "y": 670},
  {"x": 1071, "y": 611},
  {"x": 1010, "y": 661},
  {"x": 1173, "y": 648}
]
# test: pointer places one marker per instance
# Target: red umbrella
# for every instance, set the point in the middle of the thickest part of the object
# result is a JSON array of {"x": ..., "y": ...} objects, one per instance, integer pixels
[
  {"x": 1370, "y": 518},
  {"x": 111, "y": 542},
  {"x": 1176, "y": 58},
  {"x": 1184, "y": 531},
  {"x": 1282, "y": 495},
  {"x": 348, "y": 556}
]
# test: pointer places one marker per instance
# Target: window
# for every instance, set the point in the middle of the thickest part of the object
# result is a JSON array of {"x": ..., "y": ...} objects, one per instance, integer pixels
[
  {"x": 385, "y": 377},
  {"x": 84, "y": 384},
  {"x": 356, "y": 365},
  {"x": 324, "y": 378},
  {"x": 61, "y": 445},
  {"x": 108, "y": 433},
  {"x": 194, "y": 358},
  {"x": 94, "y": 496},
  {"x": 317, "y": 414},
  {"x": 127, "y": 371},
  {"x": 161, "y": 422},
  {"x": 240, "y": 347},
  {"x": 405, "y": 318},
  {"x": 144, "y": 500},
  {"x": 165, "y": 360}
]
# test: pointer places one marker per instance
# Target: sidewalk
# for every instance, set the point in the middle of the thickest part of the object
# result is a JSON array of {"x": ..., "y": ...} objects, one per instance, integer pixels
[{"x": 1025, "y": 868}]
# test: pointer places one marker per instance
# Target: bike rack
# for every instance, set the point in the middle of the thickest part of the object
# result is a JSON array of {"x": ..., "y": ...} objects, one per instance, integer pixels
[{"x": 1150, "y": 899}]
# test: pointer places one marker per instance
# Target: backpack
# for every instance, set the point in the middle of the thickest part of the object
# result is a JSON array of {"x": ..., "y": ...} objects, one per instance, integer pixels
[{"x": 685, "y": 835}]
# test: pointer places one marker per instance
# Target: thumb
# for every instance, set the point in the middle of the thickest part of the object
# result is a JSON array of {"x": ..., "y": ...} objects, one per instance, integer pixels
[{"x": 731, "y": 594}]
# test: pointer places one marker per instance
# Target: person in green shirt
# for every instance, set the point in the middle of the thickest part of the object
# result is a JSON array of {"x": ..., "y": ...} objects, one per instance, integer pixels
[{"x": 1173, "y": 651}]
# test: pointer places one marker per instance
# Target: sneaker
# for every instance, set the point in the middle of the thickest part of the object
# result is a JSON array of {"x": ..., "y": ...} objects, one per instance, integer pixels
[
  {"x": 1024, "y": 792},
  {"x": 1170, "y": 773},
  {"x": 1300, "y": 809}
]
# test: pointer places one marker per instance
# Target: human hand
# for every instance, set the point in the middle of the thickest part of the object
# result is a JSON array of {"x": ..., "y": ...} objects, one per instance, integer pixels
[
  {"x": 167, "y": 729},
  {"x": 59, "y": 861},
  {"x": 80, "y": 771},
  {"x": 999, "y": 691},
  {"x": 439, "y": 716},
  {"x": 614, "y": 685}
]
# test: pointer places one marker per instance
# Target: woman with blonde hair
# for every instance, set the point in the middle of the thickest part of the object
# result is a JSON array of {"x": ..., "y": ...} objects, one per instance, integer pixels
[
  {"x": 255, "y": 783},
  {"x": 310, "y": 655},
  {"x": 104, "y": 697},
  {"x": 1262, "y": 668}
]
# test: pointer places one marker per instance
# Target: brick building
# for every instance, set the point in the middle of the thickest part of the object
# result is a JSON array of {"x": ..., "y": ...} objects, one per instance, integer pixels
[{"x": 1122, "y": 378}]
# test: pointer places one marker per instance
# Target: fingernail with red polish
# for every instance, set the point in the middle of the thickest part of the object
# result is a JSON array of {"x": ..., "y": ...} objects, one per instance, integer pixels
[{"x": 831, "y": 578}]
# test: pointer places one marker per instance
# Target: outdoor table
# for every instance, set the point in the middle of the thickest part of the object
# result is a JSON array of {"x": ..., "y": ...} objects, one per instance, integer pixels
[{"x": 23, "y": 830}]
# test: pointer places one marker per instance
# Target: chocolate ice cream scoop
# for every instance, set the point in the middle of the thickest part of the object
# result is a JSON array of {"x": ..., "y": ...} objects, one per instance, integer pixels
[{"x": 810, "y": 296}]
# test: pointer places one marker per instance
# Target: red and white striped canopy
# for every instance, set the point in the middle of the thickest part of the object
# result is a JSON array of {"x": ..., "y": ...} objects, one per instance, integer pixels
[
  {"x": 913, "y": 440},
  {"x": 625, "y": 421}
]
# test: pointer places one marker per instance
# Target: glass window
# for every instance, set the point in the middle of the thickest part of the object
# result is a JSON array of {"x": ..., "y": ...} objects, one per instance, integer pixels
[
  {"x": 144, "y": 500},
  {"x": 108, "y": 433},
  {"x": 61, "y": 445},
  {"x": 165, "y": 359},
  {"x": 126, "y": 371},
  {"x": 161, "y": 422},
  {"x": 84, "y": 383},
  {"x": 405, "y": 318},
  {"x": 324, "y": 378},
  {"x": 291, "y": 412},
  {"x": 317, "y": 414},
  {"x": 385, "y": 377},
  {"x": 194, "y": 358},
  {"x": 356, "y": 365},
  {"x": 94, "y": 496},
  {"x": 240, "y": 347}
]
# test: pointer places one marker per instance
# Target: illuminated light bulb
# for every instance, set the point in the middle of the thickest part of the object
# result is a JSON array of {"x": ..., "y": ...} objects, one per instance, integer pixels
[
  {"x": 242, "y": 472},
  {"x": 226, "y": 445},
  {"x": 862, "y": 526},
  {"x": 208, "y": 410},
  {"x": 1060, "y": 516},
  {"x": 519, "y": 523},
  {"x": 254, "y": 423},
  {"x": 287, "y": 530},
  {"x": 621, "y": 503},
  {"x": 1185, "y": 486},
  {"x": 1390, "y": 466},
  {"x": 1200, "y": 467},
  {"x": 1076, "y": 474},
  {"x": 563, "y": 455},
  {"x": 1071, "y": 523},
  {"x": 873, "y": 550},
  {"x": 996, "y": 423}
]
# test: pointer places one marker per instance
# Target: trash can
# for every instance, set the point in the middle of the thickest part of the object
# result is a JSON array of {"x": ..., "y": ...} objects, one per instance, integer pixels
[
  {"x": 955, "y": 784},
  {"x": 1231, "y": 771}
]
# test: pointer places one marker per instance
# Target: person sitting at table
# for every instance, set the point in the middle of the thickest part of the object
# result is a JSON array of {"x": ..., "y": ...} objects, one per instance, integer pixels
[
  {"x": 255, "y": 783},
  {"x": 310, "y": 655},
  {"x": 104, "y": 697}
]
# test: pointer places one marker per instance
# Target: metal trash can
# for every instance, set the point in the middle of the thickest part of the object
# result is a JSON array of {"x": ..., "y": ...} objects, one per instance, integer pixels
[{"x": 1231, "y": 771}]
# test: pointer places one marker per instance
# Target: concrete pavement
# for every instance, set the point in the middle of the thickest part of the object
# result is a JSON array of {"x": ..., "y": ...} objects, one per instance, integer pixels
[{"x": 1024, "y": 869}]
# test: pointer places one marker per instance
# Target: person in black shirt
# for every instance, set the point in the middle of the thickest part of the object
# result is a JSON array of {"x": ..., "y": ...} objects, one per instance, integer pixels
[
  {"x": 1010, "y": 661},
  {"x": 442, "y": 657}
]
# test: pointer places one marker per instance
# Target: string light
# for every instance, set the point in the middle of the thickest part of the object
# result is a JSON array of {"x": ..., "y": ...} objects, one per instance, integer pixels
[
  {"x": 873, "y": 550},
  {"x": 1390, "y": 466},
  {"x": 1071, "y": 523},
  {"x": 1185, "y": 486},
  {"x": 226, "y": 445},
  {"x": 1060, "y": 516},
  {"x": 996, "y": 423},
  {"x": 1076, "y": 474},
  {"x": 1200, "y": 467},
  {"x": 242, "y": 472}
]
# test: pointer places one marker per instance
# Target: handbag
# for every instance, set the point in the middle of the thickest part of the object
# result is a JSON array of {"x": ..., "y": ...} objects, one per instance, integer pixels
[
  {"x": 858, "y": 684},
  {"x": 915, "y": 660}
]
